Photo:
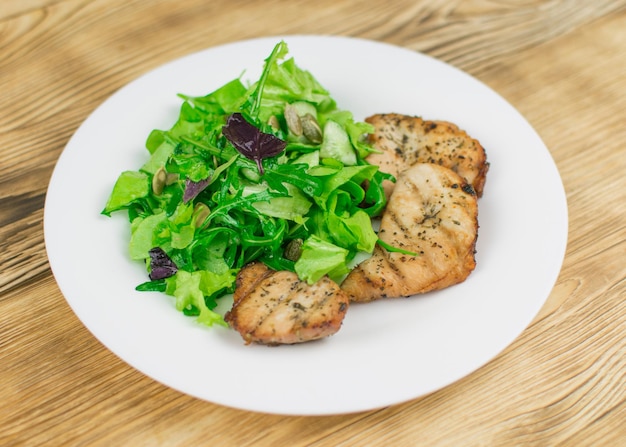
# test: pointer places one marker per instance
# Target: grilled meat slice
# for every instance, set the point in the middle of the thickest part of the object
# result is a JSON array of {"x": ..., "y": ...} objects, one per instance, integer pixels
[
  {"x": 433, "y": 213},
  {"x": 405, "y": 140},
  {"x": 275, "y": 307}
]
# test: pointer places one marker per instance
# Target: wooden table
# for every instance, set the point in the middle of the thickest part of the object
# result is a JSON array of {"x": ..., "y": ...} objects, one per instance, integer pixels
[{"x": 562, "y": 64}]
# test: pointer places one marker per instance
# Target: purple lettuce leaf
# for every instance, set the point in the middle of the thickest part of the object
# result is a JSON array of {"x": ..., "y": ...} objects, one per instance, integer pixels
[
  {"x": 250, "y": 141},
  {"x": 161, "y": 266},
  {"x": 192, "y": 189}
]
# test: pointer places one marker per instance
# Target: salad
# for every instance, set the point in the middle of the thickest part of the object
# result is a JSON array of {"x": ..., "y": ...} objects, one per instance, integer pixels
[{"x": 272, "y": 172}]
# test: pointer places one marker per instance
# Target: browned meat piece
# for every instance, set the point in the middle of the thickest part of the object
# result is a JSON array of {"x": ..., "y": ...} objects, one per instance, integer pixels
[
  {"x": 432, "y": 212},
  {"x": 275, "y": 307},
  {"x": 405, "y": 140}
]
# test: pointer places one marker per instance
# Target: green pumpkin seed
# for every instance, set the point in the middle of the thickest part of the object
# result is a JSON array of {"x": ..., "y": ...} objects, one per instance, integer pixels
[
  {"x": 293, "y": 250},
  {"x": 158, "y": 181},
  {"x": 311, "y": 129},
  {"x": 294, "y": 123},
  {"x": 273, "y": 121},
  {"x": 201, "y": 212}
]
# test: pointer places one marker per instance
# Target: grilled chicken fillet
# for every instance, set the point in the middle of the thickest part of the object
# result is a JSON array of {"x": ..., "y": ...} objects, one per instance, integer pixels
[
  {"x": 433, "y": 213},
  {"x": 405, "y": 140},
  {"x": 275, "y": 307}
]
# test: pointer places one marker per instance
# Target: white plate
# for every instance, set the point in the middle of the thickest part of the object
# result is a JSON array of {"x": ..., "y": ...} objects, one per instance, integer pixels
[{"x": 387, "y": 352}]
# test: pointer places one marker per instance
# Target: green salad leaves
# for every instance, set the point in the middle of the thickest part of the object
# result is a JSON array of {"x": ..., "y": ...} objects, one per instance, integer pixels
[{"x": 271, "y": 172}]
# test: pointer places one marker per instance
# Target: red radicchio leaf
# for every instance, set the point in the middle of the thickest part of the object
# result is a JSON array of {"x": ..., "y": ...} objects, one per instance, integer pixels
[
  {"x": 250, "y": 141},
  {"x": 192, "y": 189},
  {"x": 161, "y": 266}
]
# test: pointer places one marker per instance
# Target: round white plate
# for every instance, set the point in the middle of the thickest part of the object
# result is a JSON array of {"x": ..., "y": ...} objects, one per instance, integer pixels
[{"x": 386, "y": 352}]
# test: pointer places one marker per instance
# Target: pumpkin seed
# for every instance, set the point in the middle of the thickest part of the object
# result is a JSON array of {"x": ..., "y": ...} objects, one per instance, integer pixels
[
  {"x": 158, "y": 181},
  {"x": 201, "y": 212},
  {"x": 311, "y": 129},
  {"x": 293, "y": 250},
  {"x": 294, "y": 123},
  {"x": 172, "y": 178},
  {"x": 273, "y": 121}
]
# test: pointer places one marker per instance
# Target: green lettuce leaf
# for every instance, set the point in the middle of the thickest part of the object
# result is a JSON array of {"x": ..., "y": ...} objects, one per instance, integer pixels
[
  {"x": 191, "y": 288},
  {"x": 321, "y": 258},
  {"x": 142, "y": 239},
  {"x": 129, "y": 187}
]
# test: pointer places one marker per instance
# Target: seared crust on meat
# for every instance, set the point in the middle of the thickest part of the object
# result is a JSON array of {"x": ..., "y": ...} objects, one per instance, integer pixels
[
  {"x": 275, "y": 307},
  {"x": 433, "y": 213},
  {"x": 405, "y": 140}
]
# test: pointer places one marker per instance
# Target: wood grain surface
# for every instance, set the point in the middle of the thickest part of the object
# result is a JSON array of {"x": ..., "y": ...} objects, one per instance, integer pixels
[{"x": 561, "y": 63}]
